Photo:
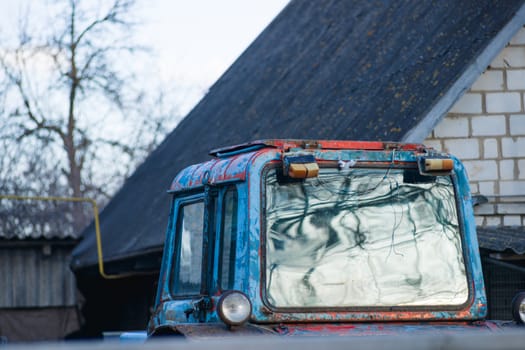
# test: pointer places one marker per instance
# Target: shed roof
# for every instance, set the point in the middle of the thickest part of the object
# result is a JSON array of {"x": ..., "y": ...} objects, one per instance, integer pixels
[
  {"x": 501, "y": 239},
  {"x": 35, "y": 218},
  {"x": 362, "y": 70}
]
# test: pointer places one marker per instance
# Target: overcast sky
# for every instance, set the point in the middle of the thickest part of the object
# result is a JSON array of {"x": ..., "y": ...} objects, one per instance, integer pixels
[
  {"x": 198, "y": 40},
  {"x": 194, "y": 41}
]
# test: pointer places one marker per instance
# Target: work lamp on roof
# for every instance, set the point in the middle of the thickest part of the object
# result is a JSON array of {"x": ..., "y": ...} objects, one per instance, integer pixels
[
  {"x": 435, "y": 165},
  {"x": 300, "y": 166}
]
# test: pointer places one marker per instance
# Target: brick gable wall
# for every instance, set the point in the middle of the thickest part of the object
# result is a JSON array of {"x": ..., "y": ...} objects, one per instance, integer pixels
[{"x": 486, "y": 130}]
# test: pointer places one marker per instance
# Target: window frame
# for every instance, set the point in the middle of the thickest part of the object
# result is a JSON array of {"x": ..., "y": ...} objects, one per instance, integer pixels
[
  {"x": 213, "y": 198},
  {"x": 234, "y": 230},
  {"x": 409, "y": 308},
  {"x": 180, "y": 203}
]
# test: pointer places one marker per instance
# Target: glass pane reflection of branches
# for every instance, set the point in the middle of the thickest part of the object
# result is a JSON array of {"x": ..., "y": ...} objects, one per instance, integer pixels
[{"x": 363, "y": 237}]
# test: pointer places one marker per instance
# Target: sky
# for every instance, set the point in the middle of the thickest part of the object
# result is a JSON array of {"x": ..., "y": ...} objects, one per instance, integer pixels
[
  {"x": 192, "y": 42},
  {"x": 196, "y": 41}
]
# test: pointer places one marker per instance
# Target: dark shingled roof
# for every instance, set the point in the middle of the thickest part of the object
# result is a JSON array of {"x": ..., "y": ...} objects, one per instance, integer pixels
[
  {"x": 501, "y": 239},
  {"x": 363, "y": 70}
]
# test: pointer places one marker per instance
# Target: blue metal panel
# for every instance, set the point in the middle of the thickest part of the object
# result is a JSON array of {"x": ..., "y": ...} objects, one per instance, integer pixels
[
  {"x": 214, "y": 172},
  {"x": 474, "y": 311},
  {"x": 247, "y": 170},
  {"x": 466, "y": 208}
]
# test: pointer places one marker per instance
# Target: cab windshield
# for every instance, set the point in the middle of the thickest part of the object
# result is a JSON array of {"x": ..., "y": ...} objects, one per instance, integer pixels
[{"x": 363, "y": 238}]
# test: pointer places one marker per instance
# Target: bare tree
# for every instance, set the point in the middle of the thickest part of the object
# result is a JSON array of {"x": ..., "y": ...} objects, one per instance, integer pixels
[
  {"x": 70, "y": 95},
  {"x": 22, "y": 173}
]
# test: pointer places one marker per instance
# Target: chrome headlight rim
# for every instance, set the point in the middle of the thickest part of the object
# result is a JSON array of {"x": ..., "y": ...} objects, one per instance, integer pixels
[
  {"x": 225, "y": 302},
  {"x": 518, "y": 308}
]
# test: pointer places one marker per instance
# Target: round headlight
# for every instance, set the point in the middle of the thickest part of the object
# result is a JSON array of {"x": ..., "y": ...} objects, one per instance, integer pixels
[
  {"x": 234, "y": 308},
  {"x": 518, "y": 308}
]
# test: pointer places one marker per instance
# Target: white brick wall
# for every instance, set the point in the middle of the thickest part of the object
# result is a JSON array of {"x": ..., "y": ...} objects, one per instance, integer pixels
[
  {"x": 482, "y": 169},
  {"x": 486, "y": 129},
  {"x": 492, "y": 221},
  {"x": 486, "y": 188},
  {"x": 519, "y": 38},
  {"x": 512, "y": 188},
  {"x": 469, "y": 103},
  {"x": 501, "y": 102},
  {"x": 488, "y": 209},
  {"x": 516, "y": 79},
  {"x": 452, "y": 127},
  {"x": 517, "y": 124},
  {"x": 463, "y": 148},
  {"x": 489, "y": 81},
  {"x": 490, "y": 148},
  {"x": 521, "y": 169},
  {"x": 437, "y": 145},
  {"x": 513, "y": 147},
  {"x": 489, "y": 125},
  {"x": 511, "y": 220},
  {"x": 515, "y": 208},
  {"x": 506, "y": 169},
  {"x": 510, "y": 57}
]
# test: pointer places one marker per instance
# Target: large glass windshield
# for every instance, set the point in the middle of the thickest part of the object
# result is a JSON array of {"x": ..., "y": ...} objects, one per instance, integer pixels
[{"x": 363, "y": 238}]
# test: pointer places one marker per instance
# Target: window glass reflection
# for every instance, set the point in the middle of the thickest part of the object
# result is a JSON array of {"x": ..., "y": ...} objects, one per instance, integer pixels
[
  {"x": 363, "y": 237},
  {"x": 189, "y": 273}
]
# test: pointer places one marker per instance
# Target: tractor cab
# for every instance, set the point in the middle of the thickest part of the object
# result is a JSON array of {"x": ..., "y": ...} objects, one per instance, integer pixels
[{"x": 320, "y": 237}]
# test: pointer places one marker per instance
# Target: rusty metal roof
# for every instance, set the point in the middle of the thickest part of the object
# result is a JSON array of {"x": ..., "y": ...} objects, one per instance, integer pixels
[
  {"x": 332, "y": 69},
  {"x": 231, "y": 163},
  {"x": 214, "y": 171},
  {"x": 286, "y": 144}
]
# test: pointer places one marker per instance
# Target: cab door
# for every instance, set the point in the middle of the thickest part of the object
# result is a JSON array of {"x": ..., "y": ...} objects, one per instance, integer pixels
[
  {"x": 200, "y": 255},
  {"x": 186, "y": 291}
]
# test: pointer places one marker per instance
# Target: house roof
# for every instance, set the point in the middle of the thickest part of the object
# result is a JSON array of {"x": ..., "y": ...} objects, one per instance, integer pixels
[{"x": 362, "y": 70}]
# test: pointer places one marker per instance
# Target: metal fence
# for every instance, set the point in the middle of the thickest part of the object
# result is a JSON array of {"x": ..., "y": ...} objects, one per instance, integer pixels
[{"x": 503, "y": 281}]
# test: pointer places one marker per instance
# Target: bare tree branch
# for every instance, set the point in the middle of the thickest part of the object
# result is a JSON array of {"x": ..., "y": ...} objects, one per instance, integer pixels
[{"x": 74, "y": 120}]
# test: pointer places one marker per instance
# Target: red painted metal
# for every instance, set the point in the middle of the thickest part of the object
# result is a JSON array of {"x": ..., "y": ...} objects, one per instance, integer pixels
[
  {"x": 288, "y": 144},
  {"x": 230, "y": 163},
  {"x": 244, "y": 163},
  {"x": 214, "y": 171}
]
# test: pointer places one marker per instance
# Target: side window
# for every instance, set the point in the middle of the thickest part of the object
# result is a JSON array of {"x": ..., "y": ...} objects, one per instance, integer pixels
[
  {"x": 188, "y": 271},
  {"x": 228, "y": 239}
]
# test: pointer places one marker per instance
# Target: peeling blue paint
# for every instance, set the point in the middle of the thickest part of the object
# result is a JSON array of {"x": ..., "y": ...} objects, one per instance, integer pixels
[{"x": 245, "y": 169}]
